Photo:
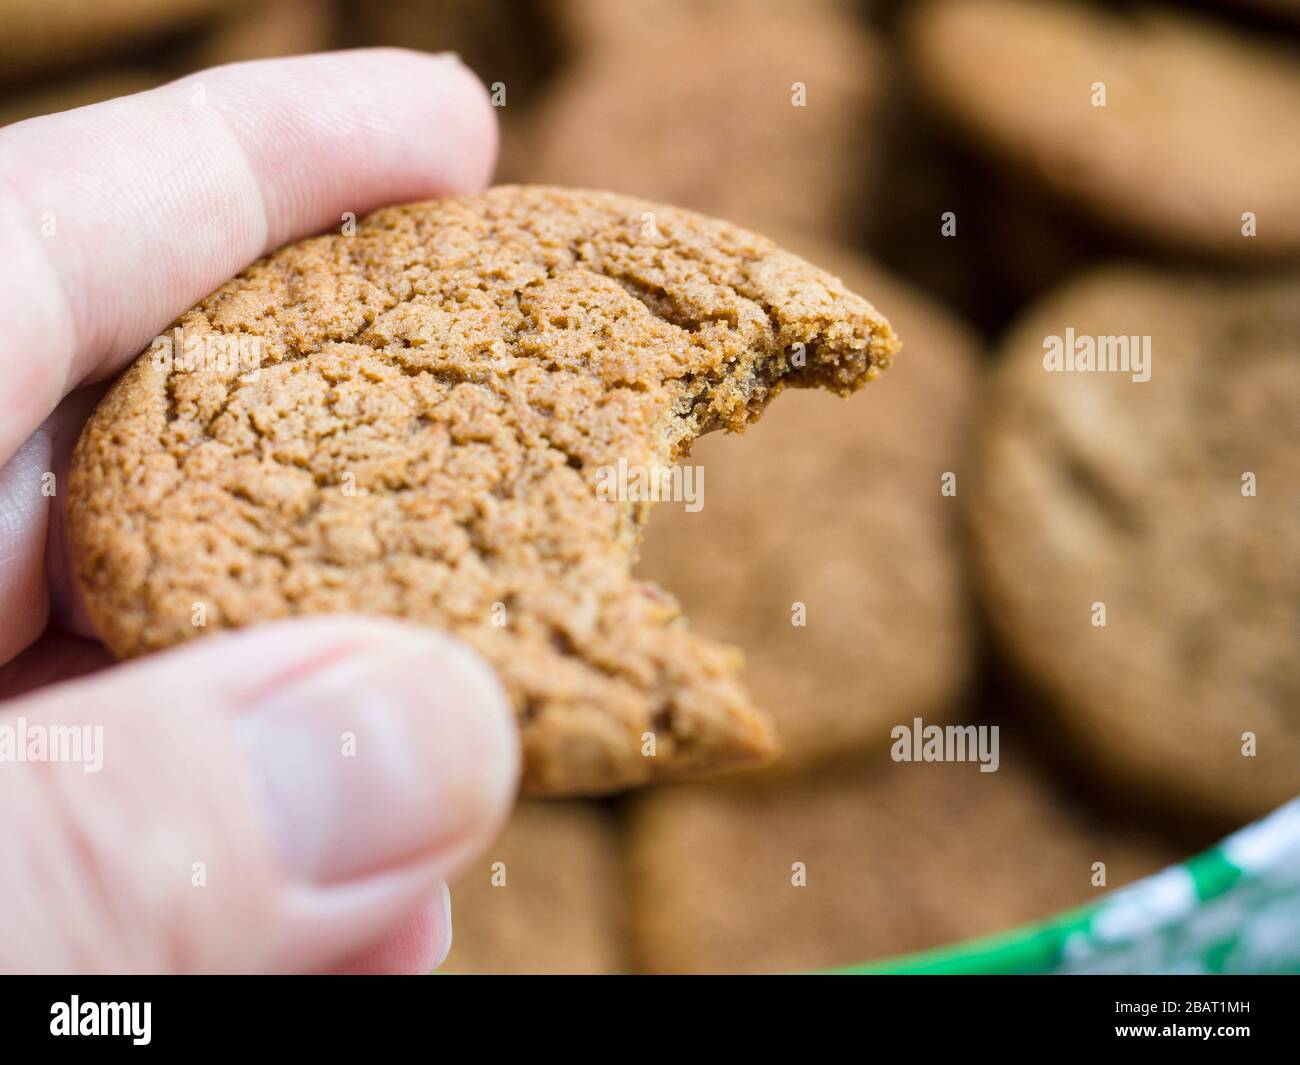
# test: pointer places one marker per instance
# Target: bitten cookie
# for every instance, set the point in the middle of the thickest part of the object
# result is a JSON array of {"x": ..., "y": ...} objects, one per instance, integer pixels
[
  {"x": 1185, "y": 140},
  {"x": 451, "y": 416},
  {"x": 1137, "y": 542},
  {"x": 863, "y": 863},
  {"x": 827, "y": 547},
  {"x": 545, "y": 898}
]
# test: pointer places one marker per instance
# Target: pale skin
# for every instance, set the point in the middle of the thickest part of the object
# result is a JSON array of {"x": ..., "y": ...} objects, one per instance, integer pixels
[{"x": 296, "y": 796}]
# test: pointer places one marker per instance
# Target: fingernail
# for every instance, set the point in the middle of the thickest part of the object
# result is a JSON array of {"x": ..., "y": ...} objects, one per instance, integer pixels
[
  {"x": 447, "y": 930},
  {"x": 387, "y": 756}
]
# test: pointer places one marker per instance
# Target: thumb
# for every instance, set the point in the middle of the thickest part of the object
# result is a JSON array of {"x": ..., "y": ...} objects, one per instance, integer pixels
[{"x": 277, "y": 799}]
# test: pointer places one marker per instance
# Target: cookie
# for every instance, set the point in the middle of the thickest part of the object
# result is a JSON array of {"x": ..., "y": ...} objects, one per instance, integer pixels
[
  {"x": 1186, "y": 144},
  {"x": 545, "y": 898},
  {"x": 1137, "y": 542},
  {"x": 750, "y": 112},
  {"x": 826, "y": 548},
  {"x": 894, "y": 857},
  {"x": 595, "y": 25},
  {"x": 45, "y": 34},
  {"x": 454, "y": 416}
]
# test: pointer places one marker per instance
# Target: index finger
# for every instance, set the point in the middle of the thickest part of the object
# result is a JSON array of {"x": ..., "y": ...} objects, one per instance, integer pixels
[{"x": 115, "y": 218}]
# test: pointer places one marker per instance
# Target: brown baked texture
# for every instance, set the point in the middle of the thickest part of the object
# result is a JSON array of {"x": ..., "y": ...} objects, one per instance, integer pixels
[
  {"x": 844, "y": 516},
  {"x": 1188, "y": 139},
  {"x": 1095, "y": 488},
  {"x": 897, "y": 857},
  {"x": 546, "y": 898},
  {"x": 435, "y": 402},
  {"x": 694, "y": 104}
]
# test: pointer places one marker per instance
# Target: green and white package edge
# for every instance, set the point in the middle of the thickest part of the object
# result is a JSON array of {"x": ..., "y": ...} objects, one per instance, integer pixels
[{"x": 1233, "y": 909}]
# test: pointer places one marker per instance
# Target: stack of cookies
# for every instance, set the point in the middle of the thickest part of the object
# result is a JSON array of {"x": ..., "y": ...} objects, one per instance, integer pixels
[{"x": 1018, "y": 623}]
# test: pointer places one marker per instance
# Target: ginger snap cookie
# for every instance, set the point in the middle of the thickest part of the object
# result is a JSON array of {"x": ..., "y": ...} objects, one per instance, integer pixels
[
  {"x": 1162, "y": 125},
  {"x": 545, "y": 898},
  {"x": 752, "y": 112},
  {"x": 828, "y": 547},
  {"x": 1137, "y": 535},
  {"x": 864, "y": 862},
  {"x": 452, "y": 416}
]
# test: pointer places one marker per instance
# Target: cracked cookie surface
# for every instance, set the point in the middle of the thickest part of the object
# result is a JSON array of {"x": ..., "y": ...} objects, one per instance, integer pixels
[{"x": 422, "y": 432}]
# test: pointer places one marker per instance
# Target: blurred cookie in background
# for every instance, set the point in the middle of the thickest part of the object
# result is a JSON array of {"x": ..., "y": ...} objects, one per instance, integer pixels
[
  {"x": 42, "y": 36},
  {"x": 982, "y": 239},
  {"x": 754, "y": 113},
  {"x": 926, "y": 235},
  {"x": 268, "y": 30},
  {"x": 596, "y": 25},
  {"x": 512, "y": 45},
  {"x": 893, "y": 857},
  {"x": 826, "y": 547},
  {"x": 1137, "y": 534},
  {"x": 1167, "y": 127},
  {"x": 544, "y": 898},
  {"x": 78, "y": 92}
]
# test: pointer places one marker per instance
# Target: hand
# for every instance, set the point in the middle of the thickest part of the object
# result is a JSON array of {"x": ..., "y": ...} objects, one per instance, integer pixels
[{"x": 232, "y": 824}]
